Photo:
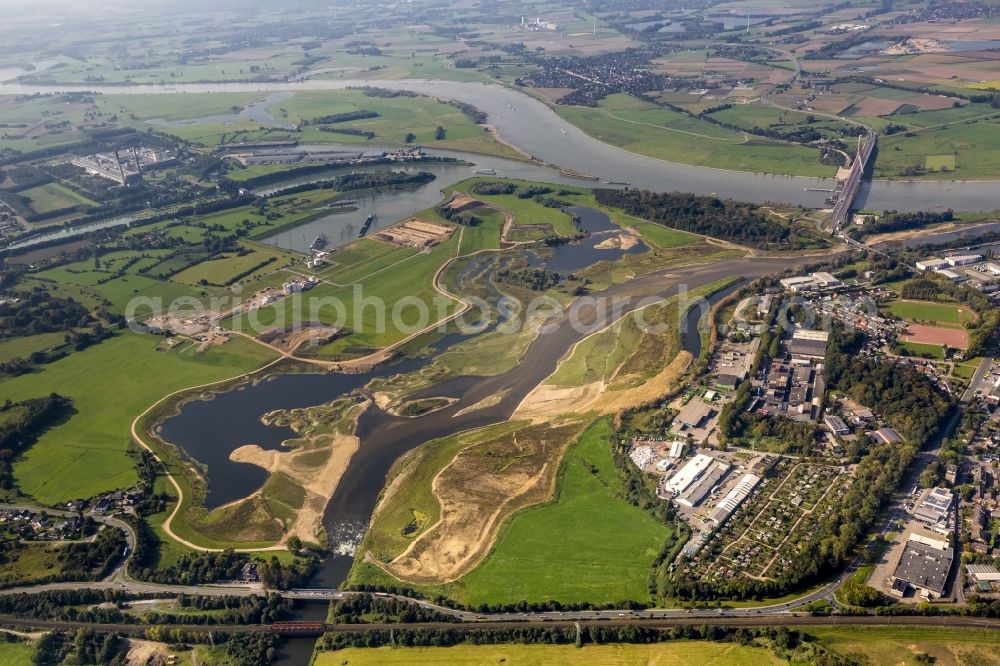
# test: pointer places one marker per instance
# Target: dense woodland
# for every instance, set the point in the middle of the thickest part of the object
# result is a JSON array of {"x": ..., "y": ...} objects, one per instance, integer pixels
[
  {"x": 37, "y": 312},
  {"x": 905, "y": 397},
  {"x": 709, "y": 216},
  {"x": 536, "y": 279},
  {"x": 85, "y": 646}
]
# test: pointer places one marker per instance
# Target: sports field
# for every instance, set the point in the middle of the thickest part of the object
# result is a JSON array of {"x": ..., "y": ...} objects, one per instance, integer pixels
[
  {"x": 678, "y": 653},
  {"x": 926, "y": 312},
  {"x": 110, "y": 384},
  {"x": 937, "y": 335}
]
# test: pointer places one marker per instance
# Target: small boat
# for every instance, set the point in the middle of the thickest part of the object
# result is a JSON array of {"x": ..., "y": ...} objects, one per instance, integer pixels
[
  {"x": 318, "y": 243},
  {"x": 367, "y": 225},
  {"x": 485, "y": 172},
  {"x": 562, "y": 130}
]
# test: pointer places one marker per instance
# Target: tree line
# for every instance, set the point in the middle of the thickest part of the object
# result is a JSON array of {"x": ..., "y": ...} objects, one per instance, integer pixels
[
  {"x": 21, "y": 424},
  {"x": 709, "y": 216}
]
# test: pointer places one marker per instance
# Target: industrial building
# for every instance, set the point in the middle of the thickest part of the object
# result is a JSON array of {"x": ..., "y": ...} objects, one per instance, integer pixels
[
  {"x": 676, "y": 449},
  {"x": 694, "y": 414},
  {"x": 982, "y": 573},
  {"x": 808, "y": 344},
  {"x": 734, "y": 498},
  {"x": 885, "y": 436},
  {"x": 699, "y": 490},
  {"x": 811, "y": 282},
  {"x": 836, "y": 425},
  {"x": 951, "y": 275},
  {"x": 691, "y": 472},
  {"x": 936, "y": 507},
  {"x": 963, "y": 259},
  {"x": 924, "y": 565},
  {"x": 800, "y": 283},
  {"x": 933, "y": 264}
]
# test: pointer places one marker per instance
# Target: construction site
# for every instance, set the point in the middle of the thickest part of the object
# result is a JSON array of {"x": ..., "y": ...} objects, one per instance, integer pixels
[{"x": 415, "y": 233}]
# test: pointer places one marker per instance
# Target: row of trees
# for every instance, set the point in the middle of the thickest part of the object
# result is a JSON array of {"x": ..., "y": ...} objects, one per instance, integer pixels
[
  {"x": 895, "y": 221},
  {"x": 779, "y": 639},
  {"x": 359, "y": 114},
  {"x": 363, "y": 608}
]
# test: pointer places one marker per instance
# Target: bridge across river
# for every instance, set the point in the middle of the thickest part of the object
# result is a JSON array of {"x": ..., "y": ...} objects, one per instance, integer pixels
[{"x": 842, "y": 209}]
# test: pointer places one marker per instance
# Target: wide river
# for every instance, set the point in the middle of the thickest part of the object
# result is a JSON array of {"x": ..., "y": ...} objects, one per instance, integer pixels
[
  {"x": 384, "y": 438},
  {"x": 532, "y": 126}
]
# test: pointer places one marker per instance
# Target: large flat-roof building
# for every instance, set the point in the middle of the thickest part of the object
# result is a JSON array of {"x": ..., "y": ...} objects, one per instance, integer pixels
[
  {"x": 931, "y": 264},
  {"x": 963, "y": 259},
  {"x": 694, "y": 414},
  {"x": 836, "y": 425},
  {"x": 936, "y": 507},
  {"x": 800, "y": 283},
  {"x": 689, "y": 473},
  {"x": 699, "y": 490},
  {"x": 924, "y": 567},
  {"x": 808, "y": 344},
  {"x": 734, "y": 498}
]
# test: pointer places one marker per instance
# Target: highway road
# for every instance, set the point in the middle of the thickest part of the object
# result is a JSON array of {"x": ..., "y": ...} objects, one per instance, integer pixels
[{"x": 959, "y": 621}]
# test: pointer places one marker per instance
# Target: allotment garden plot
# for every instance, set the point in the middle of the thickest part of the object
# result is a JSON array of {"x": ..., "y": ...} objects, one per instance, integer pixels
[{"x": 763, "y": 536}]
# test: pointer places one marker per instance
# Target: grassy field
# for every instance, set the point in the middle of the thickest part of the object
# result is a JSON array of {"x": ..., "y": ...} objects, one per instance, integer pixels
[
  {"x": 52, "y": 196},
  {"x": 663, "y": 237},
  {"x": 920, "y": 349},
  {"x": 398, "y": 117},
  {"x": 110, "y": 384},
  {"x": 751, "y": 116},
  {"x": 587, "y": 545},
  {"x": 960, "y": 143},
  {"x": 884, "y": 645},
  {"x": 175, "y": 107},
  {"x": 411, "y": 279},
  {"x": 679, "y": 653},
  {"x": 598, "y": 357},
  {"x": 948, "y": 315},
  {"x": 24, "y": 347},
  {"x": 30, "y": 563},
  {"x": 228, "y": 266},
  {"x": 16, "y": 654},
  {"x": 647, "y": 129}
]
